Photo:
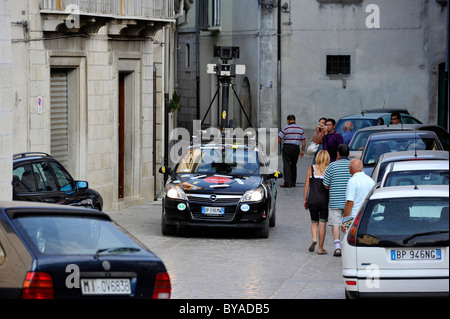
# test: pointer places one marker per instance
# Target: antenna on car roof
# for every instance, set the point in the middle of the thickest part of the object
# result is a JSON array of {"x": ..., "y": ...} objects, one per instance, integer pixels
[
  {"x": 415, "y": 148},
  {"x": 360, "y": 103}
]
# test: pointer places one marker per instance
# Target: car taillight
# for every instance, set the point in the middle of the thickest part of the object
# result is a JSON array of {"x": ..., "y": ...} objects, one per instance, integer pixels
[
  {"x": 351, "y": 237},
  {"x": 38, "y": 285},
  {"x": 162, "y": 288}
]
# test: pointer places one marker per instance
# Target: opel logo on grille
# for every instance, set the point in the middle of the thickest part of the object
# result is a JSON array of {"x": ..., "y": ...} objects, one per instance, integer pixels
[{"x": 213, "y": 198}]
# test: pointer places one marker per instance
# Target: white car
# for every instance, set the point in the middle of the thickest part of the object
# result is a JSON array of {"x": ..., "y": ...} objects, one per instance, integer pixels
[
  {"x": 398, "y": 244},
  {"x": 433, "y": 172}
]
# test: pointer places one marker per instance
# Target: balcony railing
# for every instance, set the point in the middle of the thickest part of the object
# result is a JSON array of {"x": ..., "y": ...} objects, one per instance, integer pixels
[{"x": 147, "y": 9}]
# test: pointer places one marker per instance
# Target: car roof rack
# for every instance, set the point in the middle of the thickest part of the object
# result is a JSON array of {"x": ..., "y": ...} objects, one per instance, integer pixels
[
  {"x": 25, "y": 154},
  {"x": 247, "y": 138}
]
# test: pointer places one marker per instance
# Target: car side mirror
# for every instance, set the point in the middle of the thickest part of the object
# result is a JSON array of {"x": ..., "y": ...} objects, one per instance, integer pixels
[
  {"x": 276, "y": 175},
  {"x": 81, "y": 185},
  {"x": 165, "y": 170},
  {"x": 347, "y": 221}
]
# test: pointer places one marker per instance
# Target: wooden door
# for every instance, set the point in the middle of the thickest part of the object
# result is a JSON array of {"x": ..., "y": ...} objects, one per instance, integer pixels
[{"x": 121, "y": 134}]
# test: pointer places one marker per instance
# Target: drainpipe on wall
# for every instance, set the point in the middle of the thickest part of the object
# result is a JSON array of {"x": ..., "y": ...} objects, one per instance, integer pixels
[
  {"x": 279, "y": 66},
  {"x": 197, "y": 61}
]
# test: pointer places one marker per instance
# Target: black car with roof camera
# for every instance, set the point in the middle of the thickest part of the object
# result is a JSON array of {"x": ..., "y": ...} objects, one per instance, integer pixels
[
  {"x": 39, "y": 177},
  {"x": 220, "y": 185}
]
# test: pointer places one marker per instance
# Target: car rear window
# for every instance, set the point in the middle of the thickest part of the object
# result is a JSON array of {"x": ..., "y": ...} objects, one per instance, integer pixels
[
  {"x": 376, "y": 148},
  {"x": 60, "y": 235},
  {"x": 357, "y": 124},
  {"x": 389, "y": 222},
  {"x": 417, "y": 177}
]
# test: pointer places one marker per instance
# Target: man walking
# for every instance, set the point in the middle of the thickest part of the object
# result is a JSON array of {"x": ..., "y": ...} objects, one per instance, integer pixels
[
  {"x": 335, "y": 180},
  {"x": 358, "y": 186},
  {"x": 292, "y": 136},
  {"x": 332, "y": 139}
]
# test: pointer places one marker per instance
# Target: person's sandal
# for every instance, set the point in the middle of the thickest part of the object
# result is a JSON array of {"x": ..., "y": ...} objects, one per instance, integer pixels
[
  {"x": 312, "y": 246},
  {"x": 322, "y": 252},
  {"x": 337, "y": 252}
]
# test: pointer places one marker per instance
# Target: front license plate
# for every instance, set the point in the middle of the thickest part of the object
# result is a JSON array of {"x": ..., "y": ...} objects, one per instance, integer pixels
[
  {"x": 105, "y": 286},
  {"x": 213, "y": 211},
  {"x": 416, "y": 254}
]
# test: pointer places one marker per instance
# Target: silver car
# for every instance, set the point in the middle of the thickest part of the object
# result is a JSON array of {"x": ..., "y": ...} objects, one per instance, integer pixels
[
  {"x": 380, "y": 143},
  {"x": 398, "y": 244},
  {"x": 391, "y": 157},
  {"x": 416, "y": 173}
]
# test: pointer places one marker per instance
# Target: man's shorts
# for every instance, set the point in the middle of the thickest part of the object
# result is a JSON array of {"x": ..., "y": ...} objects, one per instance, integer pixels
[{"x": 335, "y": 217}]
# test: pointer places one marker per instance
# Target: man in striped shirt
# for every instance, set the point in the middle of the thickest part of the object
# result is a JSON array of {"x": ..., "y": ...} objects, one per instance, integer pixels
[
  {"x": 336, "y": 178},
  {"x": 292, "y": 136}
]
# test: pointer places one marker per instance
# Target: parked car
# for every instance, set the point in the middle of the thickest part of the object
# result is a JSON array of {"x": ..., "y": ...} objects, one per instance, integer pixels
[
  {"x": 359, "y": 139},
  {"x": 50, "y": 251},
  {"x": 398, "y": 244},
  {"x": 388, "y": 110},
  {"x": 416, "y": 173},
  {"x": 418, "y": 155},
  {"x": 39, "y": 177},
  {"x": 380, "y": 143},
  {"x": 371, "y": 119},
  {"x": 220, "y": 185}
]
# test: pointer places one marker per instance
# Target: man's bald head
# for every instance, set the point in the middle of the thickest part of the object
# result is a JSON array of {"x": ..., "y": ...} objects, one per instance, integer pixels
[{"x": 355, "y": 166}]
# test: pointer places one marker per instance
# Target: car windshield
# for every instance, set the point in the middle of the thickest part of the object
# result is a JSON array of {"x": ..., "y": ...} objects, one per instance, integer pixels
[
  {"x": 375, "y": 148},
  {"x": 390, "y": 222},
  {"x": 359, "y": 140},
  {"x": 417, "y": 177},
  {"x": 220, "y": 160},
  {"x": 61, "y": 235}
]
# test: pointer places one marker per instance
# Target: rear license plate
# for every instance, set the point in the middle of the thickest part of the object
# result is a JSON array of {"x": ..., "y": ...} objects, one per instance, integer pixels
[
  {"x": 213, "y": 211},
  {"x": 416, "y": 254},
  {"x": 105, "y": 286}
]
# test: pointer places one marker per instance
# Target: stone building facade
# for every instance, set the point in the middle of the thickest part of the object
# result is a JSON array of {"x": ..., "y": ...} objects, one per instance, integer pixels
[
  {"x": 389, "y": 54},
  {"x": 86, "y": 83}
]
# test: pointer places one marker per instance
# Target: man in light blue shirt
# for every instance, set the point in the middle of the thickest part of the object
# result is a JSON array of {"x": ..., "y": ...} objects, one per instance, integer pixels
[{"x": 358, "y": 187}]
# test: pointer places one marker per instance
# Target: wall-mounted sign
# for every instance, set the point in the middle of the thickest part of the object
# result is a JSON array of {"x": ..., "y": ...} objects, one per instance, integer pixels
[{"x": 39, "y": 106}]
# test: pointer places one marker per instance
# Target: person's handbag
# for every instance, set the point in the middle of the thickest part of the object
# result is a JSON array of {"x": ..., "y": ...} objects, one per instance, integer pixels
[{"x": 312, "y": 148}]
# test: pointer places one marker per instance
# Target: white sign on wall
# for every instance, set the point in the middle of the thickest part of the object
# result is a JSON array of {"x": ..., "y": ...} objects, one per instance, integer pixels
[{"x": 39, "y": 105}]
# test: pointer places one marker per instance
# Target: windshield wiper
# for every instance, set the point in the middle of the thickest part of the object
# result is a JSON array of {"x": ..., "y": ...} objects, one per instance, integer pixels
[
  {"x": 424, "y": 234},
  {"x": 117, "y": 250}
]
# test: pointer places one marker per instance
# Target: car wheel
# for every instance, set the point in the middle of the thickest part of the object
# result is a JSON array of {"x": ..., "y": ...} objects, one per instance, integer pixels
[
  {"x": 273, "y": 218},
  {"x": 167, "y": 229},
  {"x": 264, "y": 231}
]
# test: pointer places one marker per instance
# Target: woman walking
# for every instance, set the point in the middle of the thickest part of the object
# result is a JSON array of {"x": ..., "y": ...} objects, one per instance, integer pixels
[{"x": 316, "y": 200}]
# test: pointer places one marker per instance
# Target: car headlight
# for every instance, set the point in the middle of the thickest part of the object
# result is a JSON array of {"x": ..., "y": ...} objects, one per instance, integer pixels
[
  {"x": 175, "y": 192},
  {"x": 253, "y": 195}
]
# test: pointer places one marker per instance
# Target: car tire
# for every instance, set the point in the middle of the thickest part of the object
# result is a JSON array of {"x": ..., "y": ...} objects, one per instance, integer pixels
[
  {"x": 167, "y": 229},
  {"x": 264, "y": 231},
  {"x": 273, "y": 218}
]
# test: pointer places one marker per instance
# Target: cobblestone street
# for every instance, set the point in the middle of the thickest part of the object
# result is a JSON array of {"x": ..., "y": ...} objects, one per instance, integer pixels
[{"x": 224, "y": 263}]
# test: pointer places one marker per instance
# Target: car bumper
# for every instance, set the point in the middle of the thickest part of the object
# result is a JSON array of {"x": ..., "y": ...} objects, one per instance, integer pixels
[
  {"x": 427, "y": 283},
  {"x": 236, "y": 215}
]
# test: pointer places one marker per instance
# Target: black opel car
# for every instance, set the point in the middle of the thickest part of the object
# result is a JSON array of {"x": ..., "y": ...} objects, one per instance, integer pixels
[
  {"x": 220, "y": 185},
  {"x": 52, "y": 251},
  {"x": 38, "y": 177}
]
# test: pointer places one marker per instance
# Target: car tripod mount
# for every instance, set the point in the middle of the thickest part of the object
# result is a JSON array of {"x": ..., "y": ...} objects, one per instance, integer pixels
[{"x": 225, "y": 73}]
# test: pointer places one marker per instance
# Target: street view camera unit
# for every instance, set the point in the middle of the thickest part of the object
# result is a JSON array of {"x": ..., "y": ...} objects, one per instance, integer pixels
[
  {"x": 225, "y": 72},
  {"x": 225, "y": 69}
]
